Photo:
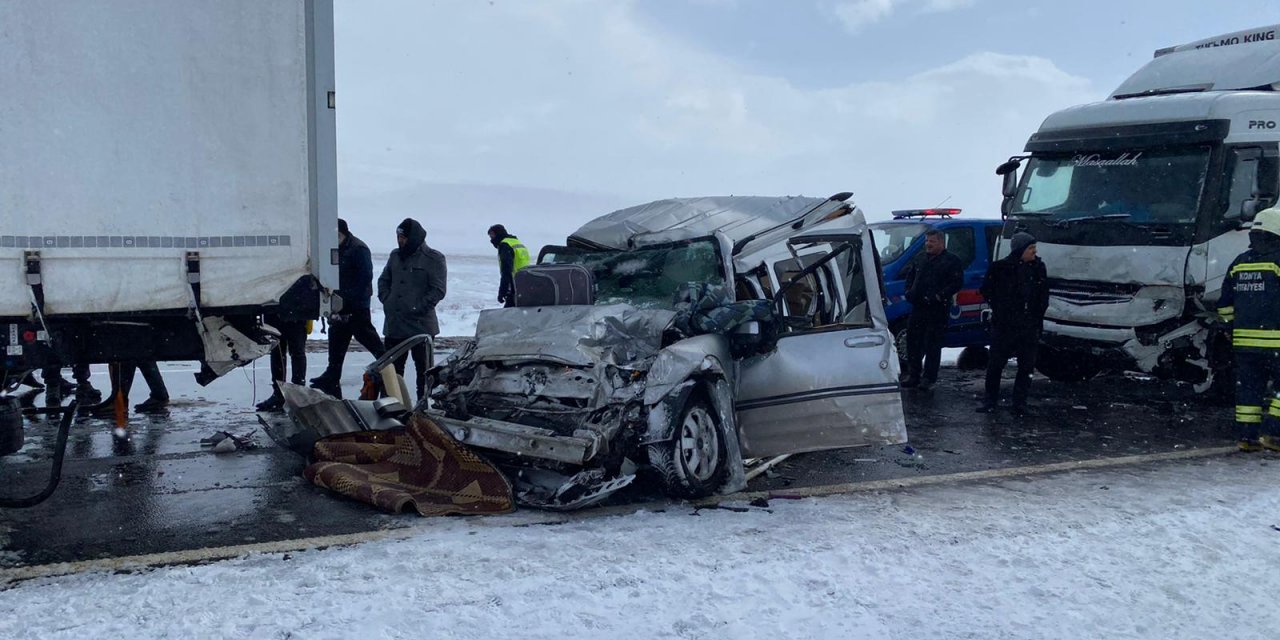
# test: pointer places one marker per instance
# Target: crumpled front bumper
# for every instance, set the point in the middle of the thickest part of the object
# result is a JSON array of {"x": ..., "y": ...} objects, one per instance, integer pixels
[{"x": 521, "y": 440}]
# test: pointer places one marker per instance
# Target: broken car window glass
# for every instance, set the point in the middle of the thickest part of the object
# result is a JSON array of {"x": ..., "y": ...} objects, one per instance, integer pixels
[{"x": 648, "y": 278}]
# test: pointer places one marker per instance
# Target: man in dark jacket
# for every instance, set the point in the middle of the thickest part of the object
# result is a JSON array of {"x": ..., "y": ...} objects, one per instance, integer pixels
[
  {"x": 300, "y": 303},
  {"x": 935, "y": 277},
  {"x": 512, "y": 257},
  {"x": 1251, "y": 303},
  {"x": 410, "y": 287},
  {"x": 355, "y": 287},
  {"x": 1017, "y": 288}
]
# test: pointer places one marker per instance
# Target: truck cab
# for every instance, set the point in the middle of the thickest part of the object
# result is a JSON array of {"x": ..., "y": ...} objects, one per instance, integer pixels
[
  {"x": 1140, "y": 203},
  {"x": 900, "y": 242}
]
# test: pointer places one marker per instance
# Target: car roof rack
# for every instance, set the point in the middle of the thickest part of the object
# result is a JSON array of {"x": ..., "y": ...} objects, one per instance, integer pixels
[{"x": 904, "y": 214}]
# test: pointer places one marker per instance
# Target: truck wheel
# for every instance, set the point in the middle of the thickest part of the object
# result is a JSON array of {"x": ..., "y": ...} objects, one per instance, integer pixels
[
  {"x": 693, "y": 463},
  {"x": 1062, "y": 366},
  {"x": 972, "y": 359}
]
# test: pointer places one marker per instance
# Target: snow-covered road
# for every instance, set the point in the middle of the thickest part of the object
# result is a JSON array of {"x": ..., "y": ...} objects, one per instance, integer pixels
[{"x": 1179, "y": 550}]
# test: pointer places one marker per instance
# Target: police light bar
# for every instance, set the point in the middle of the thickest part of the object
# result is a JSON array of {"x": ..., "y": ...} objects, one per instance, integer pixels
[{"x": 922, "y": 213}]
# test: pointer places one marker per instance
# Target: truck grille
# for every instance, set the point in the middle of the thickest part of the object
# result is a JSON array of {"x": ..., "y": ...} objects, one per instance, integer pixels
[{"x": 1086, "y": 292}]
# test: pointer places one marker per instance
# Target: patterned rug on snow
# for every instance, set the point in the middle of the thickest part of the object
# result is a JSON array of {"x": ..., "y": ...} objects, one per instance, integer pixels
[{"x": 421, "y": 467}]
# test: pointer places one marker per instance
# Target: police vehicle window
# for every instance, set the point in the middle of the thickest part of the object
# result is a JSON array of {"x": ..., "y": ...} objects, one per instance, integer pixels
[
  {"x": 993, "y": 236},
  {"x": 960, "y": 242},
  {"x": 893, "y": 238}
]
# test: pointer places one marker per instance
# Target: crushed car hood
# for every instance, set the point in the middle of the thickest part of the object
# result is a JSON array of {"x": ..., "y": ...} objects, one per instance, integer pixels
[{"x": 616, "y": 334}]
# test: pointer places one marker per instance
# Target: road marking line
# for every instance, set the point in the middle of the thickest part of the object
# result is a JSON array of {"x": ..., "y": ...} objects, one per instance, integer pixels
[{"x": 211, "y": 554}]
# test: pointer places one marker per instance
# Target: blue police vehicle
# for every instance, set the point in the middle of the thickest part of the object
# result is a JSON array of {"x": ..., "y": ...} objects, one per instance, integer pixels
[{"x": 901, "y": 240}]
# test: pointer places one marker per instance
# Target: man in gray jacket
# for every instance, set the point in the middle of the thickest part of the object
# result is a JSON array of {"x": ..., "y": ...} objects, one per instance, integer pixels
[{"x": 410, "y": 287}]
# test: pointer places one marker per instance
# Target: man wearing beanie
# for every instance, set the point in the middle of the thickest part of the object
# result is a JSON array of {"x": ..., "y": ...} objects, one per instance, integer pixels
[
  {"x": 512, "y": 257},
  {"x": 410, "y": 287},
  {"x": 1017, "y": 288},
  {"x": 936, "y": 276},
  {"x": 355, "y": 287},
  {"x": 1250, "y": 302}
]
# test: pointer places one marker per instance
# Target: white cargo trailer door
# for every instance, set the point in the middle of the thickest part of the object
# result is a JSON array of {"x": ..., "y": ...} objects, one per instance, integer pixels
[{"x": 135, "y": 131}]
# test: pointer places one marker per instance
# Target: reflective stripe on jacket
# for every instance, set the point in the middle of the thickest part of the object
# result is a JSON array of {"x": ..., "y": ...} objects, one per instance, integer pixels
[
  {"x": 518, "y": 250},
  {"x": 1251, "y": 300}
]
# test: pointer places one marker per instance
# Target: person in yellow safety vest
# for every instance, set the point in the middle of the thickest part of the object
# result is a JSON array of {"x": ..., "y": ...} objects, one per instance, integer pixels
[
  {"x": 1251, "y": 303},
  {"x": 512, "y": 257}
]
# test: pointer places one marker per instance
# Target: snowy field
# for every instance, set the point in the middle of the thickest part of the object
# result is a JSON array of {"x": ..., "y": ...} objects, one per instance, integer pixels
[
  {"x": 472, "y": 285},
  {"x": 1183, "y": 550}
]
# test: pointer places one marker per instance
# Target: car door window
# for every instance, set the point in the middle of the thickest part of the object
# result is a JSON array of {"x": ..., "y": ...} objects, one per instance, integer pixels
[
  {"x": 834, "y": 294},
  {"x": 804, "y": 302},
  {"x": 960, "y": 241}
]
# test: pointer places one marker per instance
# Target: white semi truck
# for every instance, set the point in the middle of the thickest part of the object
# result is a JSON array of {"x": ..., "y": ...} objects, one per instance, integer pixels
[
  {"x": 1140, "y": 202},
  {"x": 167, "y": 172}
]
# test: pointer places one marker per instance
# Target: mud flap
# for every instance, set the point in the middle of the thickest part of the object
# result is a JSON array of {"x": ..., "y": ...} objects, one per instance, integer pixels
[{"x": 226, "y": 348}]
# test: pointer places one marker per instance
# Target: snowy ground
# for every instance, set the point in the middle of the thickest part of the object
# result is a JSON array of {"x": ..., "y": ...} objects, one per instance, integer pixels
[{"x": 1183, "y": 550}]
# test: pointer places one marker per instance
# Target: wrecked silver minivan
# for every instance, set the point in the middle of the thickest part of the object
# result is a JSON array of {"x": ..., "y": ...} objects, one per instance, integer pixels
[{"x": 717, "y": 329}]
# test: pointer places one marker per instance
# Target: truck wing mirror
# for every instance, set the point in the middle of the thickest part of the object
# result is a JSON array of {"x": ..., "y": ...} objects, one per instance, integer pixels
[
  {"x": 1009, "y": 170},
  {"x": 1250, "y": 208}
]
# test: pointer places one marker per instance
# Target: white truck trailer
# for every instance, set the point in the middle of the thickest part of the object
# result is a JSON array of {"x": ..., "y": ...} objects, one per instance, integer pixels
[
  {"x": 1140, "y": 202},
  {"x": 167, "y": 172}
]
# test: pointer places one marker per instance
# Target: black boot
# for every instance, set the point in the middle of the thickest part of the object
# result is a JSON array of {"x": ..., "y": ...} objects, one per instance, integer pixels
[
  {"x": 86, "y": 394},
  {"x": 153, "y": 405},
  {"x": 104, "y": 409},
  {"x": 274, "y": 404}
]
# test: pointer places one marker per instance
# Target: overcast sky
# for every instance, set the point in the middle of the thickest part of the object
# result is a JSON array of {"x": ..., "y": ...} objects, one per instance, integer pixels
[{"x": 542, "y": 114}]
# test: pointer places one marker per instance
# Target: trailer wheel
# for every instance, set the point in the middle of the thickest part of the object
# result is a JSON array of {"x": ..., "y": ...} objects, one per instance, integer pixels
[
  {"x": 1061, "y": 366},
  {"x": 693, "y": 463}
]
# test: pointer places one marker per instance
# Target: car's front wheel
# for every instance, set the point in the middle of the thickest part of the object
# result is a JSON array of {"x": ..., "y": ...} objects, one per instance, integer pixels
[{"x": 693, "y": 462}]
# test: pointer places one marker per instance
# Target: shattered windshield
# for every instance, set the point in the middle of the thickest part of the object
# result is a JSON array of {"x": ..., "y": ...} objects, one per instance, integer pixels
[
  {"x": 892, "y": 238},
  {"x": 1136, "y": 187},
  {"x": 650, "y": 277}
]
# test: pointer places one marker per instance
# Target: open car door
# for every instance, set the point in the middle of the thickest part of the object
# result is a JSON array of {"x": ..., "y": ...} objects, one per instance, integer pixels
[{"x": 832, "y": 382}]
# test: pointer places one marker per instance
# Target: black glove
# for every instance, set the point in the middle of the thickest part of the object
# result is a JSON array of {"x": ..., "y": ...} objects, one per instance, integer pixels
[{"x": 502, "y": 297}]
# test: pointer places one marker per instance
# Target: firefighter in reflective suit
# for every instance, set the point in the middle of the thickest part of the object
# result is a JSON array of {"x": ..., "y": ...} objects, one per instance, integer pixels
[{"x": 1251, "y": 303}]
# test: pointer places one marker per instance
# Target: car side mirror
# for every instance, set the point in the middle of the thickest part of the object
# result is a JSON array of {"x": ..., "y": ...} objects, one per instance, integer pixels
[{"x": 751, "y": 328}]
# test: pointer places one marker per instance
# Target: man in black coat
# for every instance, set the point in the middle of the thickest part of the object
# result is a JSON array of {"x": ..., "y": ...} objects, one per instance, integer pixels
[
  {"x": 298, "y": 304},
  {"x": 935, "y": 277},
  {"x": 355, "y": 287},
  {"x": 1017, "y": 288},
  {"x": 410, "y": 287}
]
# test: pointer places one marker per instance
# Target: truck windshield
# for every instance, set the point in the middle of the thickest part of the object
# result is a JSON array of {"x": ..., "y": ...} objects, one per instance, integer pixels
[
  {"x": 648, "y": 278},
  {"x": 893, "y": 238},
  {"x": 1138, "y": 187}
]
